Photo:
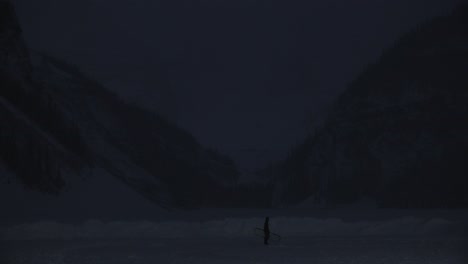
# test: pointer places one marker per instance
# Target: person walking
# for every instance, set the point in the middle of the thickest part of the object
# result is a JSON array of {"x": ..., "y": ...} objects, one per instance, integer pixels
[{"x": 266, "y": 230}]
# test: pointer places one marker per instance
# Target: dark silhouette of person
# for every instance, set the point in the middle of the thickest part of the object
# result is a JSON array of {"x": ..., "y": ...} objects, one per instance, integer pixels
[{"x": 266, "y": 230}]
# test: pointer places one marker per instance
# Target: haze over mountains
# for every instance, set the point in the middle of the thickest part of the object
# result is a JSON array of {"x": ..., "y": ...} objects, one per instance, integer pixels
[
  {"x": 269, "y": 68},
  {"x": 396, "y": 134}
]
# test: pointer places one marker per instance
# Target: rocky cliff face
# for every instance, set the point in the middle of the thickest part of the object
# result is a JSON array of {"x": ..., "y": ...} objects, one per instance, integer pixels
[
  {"x": 14, "y": 57},
  {"x": 37, "y": 142},
  {"x": 399, "y": 132}
]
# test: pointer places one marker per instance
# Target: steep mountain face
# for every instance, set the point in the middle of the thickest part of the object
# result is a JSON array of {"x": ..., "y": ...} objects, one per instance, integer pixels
[
  {"x": 399, "y": 132},
  {"x": 14, "y": 57},
  {"x": 157, "y": 156},
  {"x": 56, "y": 121},
  {"x": 36, "y": 141}
]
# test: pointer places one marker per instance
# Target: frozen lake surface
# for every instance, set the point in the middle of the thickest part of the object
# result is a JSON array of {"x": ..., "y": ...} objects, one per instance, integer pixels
[
  {"x": 227, "y": 236},
  {"x": 85, "y": 226},
  {"x": 359, "y": 250}
]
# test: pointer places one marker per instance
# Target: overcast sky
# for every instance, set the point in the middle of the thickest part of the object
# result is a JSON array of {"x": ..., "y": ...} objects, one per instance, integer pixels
[{"x": 237, "y": 74}]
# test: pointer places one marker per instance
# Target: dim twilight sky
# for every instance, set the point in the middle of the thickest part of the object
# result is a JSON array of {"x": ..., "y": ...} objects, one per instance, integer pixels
[{"x": 237, "y": 74}]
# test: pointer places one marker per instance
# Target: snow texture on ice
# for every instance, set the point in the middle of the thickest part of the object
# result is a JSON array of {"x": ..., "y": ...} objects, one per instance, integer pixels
[
  {"x": 339, "y": 250},
  {"x": 233, "y": 227}
]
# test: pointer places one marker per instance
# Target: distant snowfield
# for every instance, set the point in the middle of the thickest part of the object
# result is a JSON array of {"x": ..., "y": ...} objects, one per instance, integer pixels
[{"x": 235, "y": 227}]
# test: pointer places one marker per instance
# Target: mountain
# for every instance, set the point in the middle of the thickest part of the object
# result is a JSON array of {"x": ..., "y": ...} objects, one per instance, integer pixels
[
  {"x": 56, "y": 122},
  {"x": 398, "y": 133},
  {"x": 36, "y": 139}
]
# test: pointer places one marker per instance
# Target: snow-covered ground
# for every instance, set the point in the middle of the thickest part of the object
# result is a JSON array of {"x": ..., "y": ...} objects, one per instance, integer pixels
[
  {"x": 359, "y": 250},
  {"x": 100, "y": 220},
  {"x": 233, "y": 227},
  {"x": 98, "y": 195},
  {"x": 227, "y": 236}
]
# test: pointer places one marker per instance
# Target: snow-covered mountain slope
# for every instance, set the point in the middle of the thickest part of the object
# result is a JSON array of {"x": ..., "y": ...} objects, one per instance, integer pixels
[
  {"x": 56, "y": 122},
  {"x": 97, "y": 196},
  {"x": 399, "y": 132},
  {"x": 142, "y": 149}
]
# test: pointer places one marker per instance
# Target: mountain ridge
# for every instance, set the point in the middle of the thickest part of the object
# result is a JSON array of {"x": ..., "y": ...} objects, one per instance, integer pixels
[{"x": 397, "y": 132}]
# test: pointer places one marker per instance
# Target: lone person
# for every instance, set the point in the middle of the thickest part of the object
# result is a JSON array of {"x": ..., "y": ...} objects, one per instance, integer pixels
[{"x": 266, "y": 230}]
